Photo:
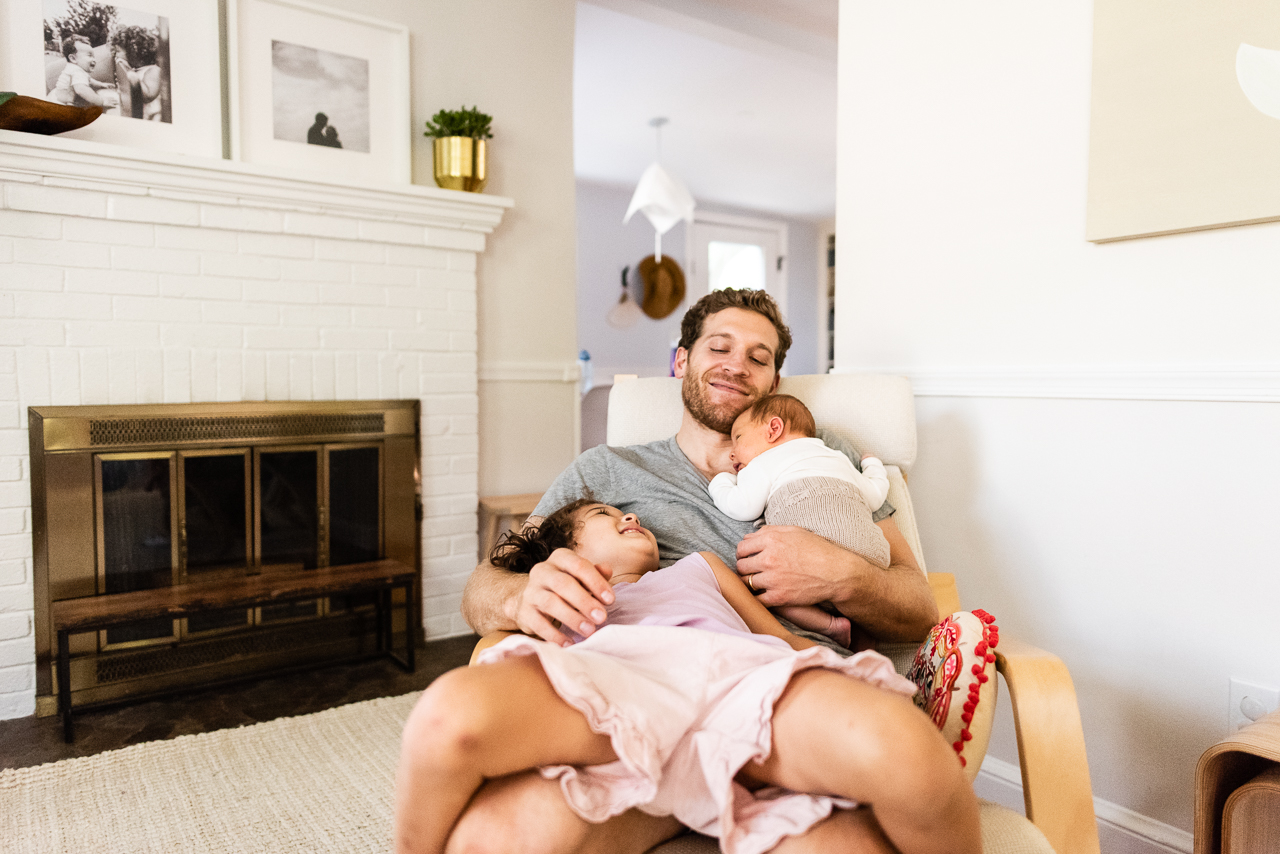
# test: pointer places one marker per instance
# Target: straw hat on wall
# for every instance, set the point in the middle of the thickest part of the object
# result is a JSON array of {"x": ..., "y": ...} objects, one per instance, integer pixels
[{"x": 663, "y": 286}]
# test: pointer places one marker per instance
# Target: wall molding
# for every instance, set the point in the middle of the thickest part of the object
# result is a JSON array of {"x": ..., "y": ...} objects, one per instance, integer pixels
[
  {"x": 117, "y": 170},
  {"x": 1155, "y": 836},
  {"x": 529, "y": 372},
  {"x": 1244, "y": 384}
]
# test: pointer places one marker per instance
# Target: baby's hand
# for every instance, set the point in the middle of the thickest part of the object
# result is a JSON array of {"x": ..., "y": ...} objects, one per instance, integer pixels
[{"x": 866, "y": 457}]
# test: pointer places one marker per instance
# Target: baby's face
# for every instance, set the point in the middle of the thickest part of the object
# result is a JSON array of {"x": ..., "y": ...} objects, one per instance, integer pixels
[
  {"x": 608, "y": 537},
  {"x": 84, "y": 57},
  {"x": 750, "y": 439}
]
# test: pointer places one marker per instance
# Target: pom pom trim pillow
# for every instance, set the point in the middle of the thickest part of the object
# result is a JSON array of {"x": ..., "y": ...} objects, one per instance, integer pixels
[{"x": 954, "y": 670}]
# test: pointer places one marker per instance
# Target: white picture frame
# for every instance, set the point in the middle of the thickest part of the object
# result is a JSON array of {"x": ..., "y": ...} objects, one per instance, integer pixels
[
  {"x": 192, "y": 105},
  {"x": 290, "y": 58}
]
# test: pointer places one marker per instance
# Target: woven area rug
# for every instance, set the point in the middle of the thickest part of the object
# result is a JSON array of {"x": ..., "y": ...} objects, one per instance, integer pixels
[{"x": 314, "y": 783}]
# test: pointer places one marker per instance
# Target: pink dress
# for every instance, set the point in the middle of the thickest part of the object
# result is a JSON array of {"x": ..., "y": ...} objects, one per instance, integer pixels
[{"x": 686, "y": 693}]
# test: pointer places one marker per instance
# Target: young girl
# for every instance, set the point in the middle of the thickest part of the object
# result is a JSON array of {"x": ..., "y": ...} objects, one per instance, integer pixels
[{"x": 691, "y": 701}]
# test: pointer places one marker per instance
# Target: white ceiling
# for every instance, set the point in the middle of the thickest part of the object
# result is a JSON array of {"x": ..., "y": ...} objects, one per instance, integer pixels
[{"x": 749, "y": 87}]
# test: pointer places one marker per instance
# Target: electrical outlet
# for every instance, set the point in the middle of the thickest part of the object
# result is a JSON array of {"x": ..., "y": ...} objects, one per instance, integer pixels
[{"x": 1248, "y": 703}]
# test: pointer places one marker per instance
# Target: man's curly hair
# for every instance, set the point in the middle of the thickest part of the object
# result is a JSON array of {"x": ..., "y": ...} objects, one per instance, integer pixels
[{"x": 518, "y": 551}]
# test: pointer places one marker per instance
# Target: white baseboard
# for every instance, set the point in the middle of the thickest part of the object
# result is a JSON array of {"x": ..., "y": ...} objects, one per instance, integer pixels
[{"x": 1121, "y": 830}]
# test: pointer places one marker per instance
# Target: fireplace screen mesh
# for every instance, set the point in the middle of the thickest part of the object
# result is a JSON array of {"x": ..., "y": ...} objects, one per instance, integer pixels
[{"x": 150, "y": 431}]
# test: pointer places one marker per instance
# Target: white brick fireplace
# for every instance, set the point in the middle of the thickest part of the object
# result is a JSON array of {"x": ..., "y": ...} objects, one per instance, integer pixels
[{"x": 127, "y": 278}]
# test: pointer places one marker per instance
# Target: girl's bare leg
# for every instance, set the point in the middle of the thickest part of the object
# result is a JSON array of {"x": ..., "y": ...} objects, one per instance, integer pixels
[
  {"x": 837, "y": 735},
  {"x": 476, "y": 723}
]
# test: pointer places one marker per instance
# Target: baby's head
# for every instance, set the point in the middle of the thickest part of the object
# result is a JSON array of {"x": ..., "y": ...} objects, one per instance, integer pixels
[
  {"x": 78, "y": 50},
  {"x": 602, "y": 534},
  {"x": 768, "y": 423}
]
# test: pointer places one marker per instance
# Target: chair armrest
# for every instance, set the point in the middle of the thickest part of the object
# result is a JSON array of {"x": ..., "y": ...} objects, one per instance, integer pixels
[
  {"x": 486, "y": 642},
  {"x": 1055, "y": 770}
]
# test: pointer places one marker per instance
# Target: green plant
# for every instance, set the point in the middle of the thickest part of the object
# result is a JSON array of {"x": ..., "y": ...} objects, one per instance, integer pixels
[{"x": 460, "y": 122}]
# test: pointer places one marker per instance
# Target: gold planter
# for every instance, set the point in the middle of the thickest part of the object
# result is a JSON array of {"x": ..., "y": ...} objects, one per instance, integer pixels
[{"x": 460, "y": 163}]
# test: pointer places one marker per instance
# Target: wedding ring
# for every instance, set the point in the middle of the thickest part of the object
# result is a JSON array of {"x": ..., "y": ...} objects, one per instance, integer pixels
[{"x": 751, "y": 582}]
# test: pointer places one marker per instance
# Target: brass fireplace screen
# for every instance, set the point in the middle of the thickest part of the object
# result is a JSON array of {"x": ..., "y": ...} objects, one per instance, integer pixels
[{"x": 138, "y": 497}]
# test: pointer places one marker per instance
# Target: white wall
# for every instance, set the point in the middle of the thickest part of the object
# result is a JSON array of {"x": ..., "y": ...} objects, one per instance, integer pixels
[
  {"x": 1132, "y": 536},
  {"x": 605, "y": 246}
]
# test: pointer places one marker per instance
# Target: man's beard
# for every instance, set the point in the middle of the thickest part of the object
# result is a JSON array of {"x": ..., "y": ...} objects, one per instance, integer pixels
[{"x": 693, "y": 390}]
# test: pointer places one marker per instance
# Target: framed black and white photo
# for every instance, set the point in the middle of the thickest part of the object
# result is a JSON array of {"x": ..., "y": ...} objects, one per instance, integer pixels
[
  {"x": 153, "y": 66},
  {"x": 319, "y": 89}
]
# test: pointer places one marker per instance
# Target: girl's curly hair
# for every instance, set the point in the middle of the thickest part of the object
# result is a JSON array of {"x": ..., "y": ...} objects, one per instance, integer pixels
[{"x": 518, "y": 551}]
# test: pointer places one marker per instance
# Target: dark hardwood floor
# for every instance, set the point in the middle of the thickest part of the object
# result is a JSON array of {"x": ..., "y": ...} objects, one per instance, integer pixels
[{"x": 34, "y": 741}]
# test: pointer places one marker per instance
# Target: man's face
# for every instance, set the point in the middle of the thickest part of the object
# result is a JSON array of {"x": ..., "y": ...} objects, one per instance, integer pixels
[
  {"x": 729, "y": 367},
  {"x": 84, "y": 57}
]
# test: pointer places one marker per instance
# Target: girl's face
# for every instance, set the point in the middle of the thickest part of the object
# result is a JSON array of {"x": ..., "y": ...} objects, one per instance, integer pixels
[{"x": 608, "y": 537}]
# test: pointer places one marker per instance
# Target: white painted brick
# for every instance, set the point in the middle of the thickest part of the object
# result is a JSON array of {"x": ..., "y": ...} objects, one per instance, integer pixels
[
  {"x": 357, "y": 251},
  {"x": 281, "y": 338},
  {"x": 19, "y": 651},
  {"x": 25, "y": 277},
  {"x": 199, "y": 239},
  {"x": 435, "y": 320},
  {"x": 64, "y": 377},
  {"x": 345, "y": 383},
  {"x": 417, "y": 257},
  {"x": 6, "y": 251},
  {"x": 446, "y": 525},
  {"x": 443, "y": 567},
  {"x": 95, "y": 385},
  {"x": 278, "y": 376},
  {"x": 8, "y": 361},
  {"x": 32, "y": 333},
  {"x": 108, "y": 231},
  {"x": 239, "y": 266},
  {"x": 383, "y": 318},
  {"x": 315, "y": 315},
  {"x": 9, "y": 387},
  {"x": 148, "y": 209},
  {"x": 465, "y": 544},
  {"x": 383, "y": 274},
  {"x": 393, "y": 232},
  {"x": 203, "y": 335},
  {"x": 14, "y": 494},
  {"x": 448, "y": 363},
  {"x": 451, "y": 504},
  {"x": 434, "y": 383},
  {"x": 462, "y": 321},
  {"x": 112, "y": 282},
  {"x": 463, "y": 301},
  {"x": 443, "y": 238},
  {"x": 152, "y": 260},
  {"x": 255, "y": 375},
  {"x": 33, "y": 377},
  {"x": 61, "y": 253},
  {"x": 10, "y": 418},
  {"x": 315, "y": 271},
  {"x": 436, "y": 627},
  {"x": 204, "y": 375},
  {"x": 321, "y": 226},
  {"x": 418, "y": 339},
  {"x": 277, "y": 245},
  {"x": 121, "y": 367},
  {"x": 241, "y": 218},
  {"x": 355, "y": 339},
  {"x": 453, "y": 583},
  {"x": 415, "y": 297},
  {"x": 22, "y": 705},
  {"x": 17, "y": 678},
  {"x": 202, "y": 287},
  {"x": 464, "y": 425},
  {"x": 436, "y": 547},
  {"x": 287, "y": 292},
  {"x": 154, "y": 308},
  {"x": 434, "y": 467},
  {"x": 18, "y": 598},
  {"x": 6, "y": 305},
  {"x": 54, "y": 200},
  {"x": 241, "y": 314},
  {"x": 353, "y": 294},
  {"x": 323, "y": 377},
  {"x": 462, "y": 341},
  {"x": 12, "y": 521},
  {"x": 448, "y": 484},
  {"x": 367, "y": 376},
  {"x": 300, "y": 373},
  {"x": 466, "y": 464},
  {"x": 26, "y": 224},
  {"x": 230, "y": 372},
  {"x": 465, "y": 261},
  {"x": 14, "y": 626},
  {"x": 10, "y": 469},
  {"x": 119, "y": 333},
  {"x": 448, "y": 280},
  {"x": 177, "y": 375},
  {"x": 450, "y": 445},
  {"x": 149, "y": 379},
  {"x": 14, "y": 442}
]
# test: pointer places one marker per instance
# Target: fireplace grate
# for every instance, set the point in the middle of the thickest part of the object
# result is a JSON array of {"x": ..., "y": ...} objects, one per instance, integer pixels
[{"x": 106, "y": 432}]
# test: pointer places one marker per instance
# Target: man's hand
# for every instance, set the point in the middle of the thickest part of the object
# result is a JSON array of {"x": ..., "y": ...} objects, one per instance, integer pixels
[
  {"x": 793, "y": 566},
  {"x": 565, "y": 589}
]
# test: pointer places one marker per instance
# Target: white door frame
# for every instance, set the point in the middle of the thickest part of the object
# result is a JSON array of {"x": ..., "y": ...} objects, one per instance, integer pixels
[{"x": 696, "y": 266}]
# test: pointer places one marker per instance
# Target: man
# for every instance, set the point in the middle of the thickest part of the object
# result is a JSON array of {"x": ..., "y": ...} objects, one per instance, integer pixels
[{"x": 732, "y": 345}]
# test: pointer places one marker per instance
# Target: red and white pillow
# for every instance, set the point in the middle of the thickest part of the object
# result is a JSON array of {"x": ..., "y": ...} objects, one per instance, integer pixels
[{"x": 955, "y": 671}]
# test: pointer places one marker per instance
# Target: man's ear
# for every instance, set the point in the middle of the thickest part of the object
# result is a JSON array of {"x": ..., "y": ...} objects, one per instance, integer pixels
[
  {"x": 680, "y": 362},
  {"x": 776, "y": 429}
]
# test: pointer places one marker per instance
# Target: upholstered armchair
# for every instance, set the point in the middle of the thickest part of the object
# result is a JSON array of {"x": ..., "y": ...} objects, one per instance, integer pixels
[{"x": 877, "y": 415}]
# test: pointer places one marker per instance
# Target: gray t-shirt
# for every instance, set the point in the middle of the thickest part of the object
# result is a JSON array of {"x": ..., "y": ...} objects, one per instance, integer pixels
[{"x": 658, "y": 483}]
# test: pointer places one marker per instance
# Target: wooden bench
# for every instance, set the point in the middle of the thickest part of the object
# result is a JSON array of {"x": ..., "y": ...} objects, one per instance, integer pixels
[{"x": 96, "y": 613}]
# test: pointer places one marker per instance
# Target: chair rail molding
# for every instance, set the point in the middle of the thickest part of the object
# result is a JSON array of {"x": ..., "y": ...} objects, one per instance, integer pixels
[{"x": 1244, "y": 384}]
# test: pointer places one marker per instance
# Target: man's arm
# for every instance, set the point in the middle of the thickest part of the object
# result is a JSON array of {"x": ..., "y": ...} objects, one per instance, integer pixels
[
  {"x": 563, "y": 590},
  {"x": 794, "y": 566}
]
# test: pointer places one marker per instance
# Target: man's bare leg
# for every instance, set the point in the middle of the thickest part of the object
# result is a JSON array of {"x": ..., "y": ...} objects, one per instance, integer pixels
[{"x": 527, "y": 814}]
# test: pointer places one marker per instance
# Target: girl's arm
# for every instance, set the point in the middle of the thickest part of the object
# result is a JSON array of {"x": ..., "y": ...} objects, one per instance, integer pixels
[{"x": 755, "y": 615}]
